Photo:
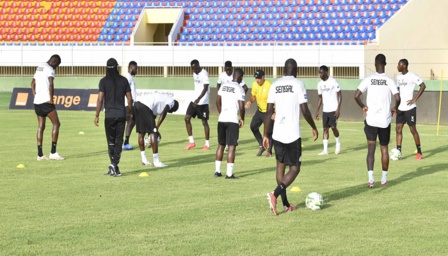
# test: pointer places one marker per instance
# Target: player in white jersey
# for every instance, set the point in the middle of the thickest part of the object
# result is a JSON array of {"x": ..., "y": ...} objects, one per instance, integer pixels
[
  {"x": 230, "y": 102},
  {"x": 200, "y": 106},
  {"x": 378, "y": 87},
  {"x": 146, "y": 108},
  {"x": 330, "y": 95},
  {"x": 407, "y": 111},
  {"x": 288, "y": 94},
  {"x": 42, "y": 87},
  {"x": 132, "y": 71},
  {"x": 227, "y": 76}
]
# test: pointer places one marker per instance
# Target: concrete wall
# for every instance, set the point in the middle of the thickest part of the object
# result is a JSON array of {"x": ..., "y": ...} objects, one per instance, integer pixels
[{"x": 417, "y": 32}]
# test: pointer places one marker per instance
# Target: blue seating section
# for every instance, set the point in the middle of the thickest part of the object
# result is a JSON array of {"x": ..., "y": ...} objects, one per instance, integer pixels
[{"x": 263, "y": 22}]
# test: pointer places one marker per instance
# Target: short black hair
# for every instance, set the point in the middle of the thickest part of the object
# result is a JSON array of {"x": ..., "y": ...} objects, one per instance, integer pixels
[
  {"x": 175, "y": 107},
  {"x": 228, "y": 64},
  {"x": 380, "y": 58},
  {"x": 194, "y": 62},
  {"x": 132, "y": 63},
  {"x": 239, "y": 72},
  {"x": 57, "y": 57},
  {"x": 405, "y": 62},
  {"x": 324, "y": 68}
]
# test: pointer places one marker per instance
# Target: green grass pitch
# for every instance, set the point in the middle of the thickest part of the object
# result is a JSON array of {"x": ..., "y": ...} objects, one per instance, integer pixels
[{"x": 70, "y": 208}]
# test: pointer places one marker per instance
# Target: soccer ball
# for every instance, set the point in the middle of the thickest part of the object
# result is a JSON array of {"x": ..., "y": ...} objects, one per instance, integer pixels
[
  {"x": 314, "y": 201},
  {"x": 395, "y": 154}
]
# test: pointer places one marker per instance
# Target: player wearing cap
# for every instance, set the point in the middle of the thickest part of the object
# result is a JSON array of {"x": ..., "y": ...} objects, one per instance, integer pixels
[
  {"x": 260, "y": 90},
  {"x": 229, "y": 102},
  {"x": 378, "y": 87},
  {"x": 42, "y": 87},
  {"x": 288, "y": 94},
  {"x": 330, "y": 95},
  {"x": 200, "y": 106},
  {"x": 146, "y": 109},
  {"x": 112, "y": 91},
  {"x": 407, "y": 111},
  {"x": 227, "y": 76},
  {"x": 132, "y": 71}
]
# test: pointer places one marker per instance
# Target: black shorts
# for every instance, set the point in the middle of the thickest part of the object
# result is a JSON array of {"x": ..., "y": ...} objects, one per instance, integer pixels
[
  {"x": 228, "y": 133},
  {"x": 289, "y": 154},
  {"x": 373, "y": 132},
  {"x": 329, "y": 119},
  {"x": 145, "y": 121},
  {"x": 409, "y": 117},
  {"x": 200, "y": 111},
  {"x": 44, "y": 109}
]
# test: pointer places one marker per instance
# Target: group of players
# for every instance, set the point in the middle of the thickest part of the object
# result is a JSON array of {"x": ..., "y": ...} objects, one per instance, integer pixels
[{"x": 279, "y": 108}]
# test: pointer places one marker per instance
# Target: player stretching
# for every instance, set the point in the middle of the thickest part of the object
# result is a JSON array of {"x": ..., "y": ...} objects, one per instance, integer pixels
[
  {"x": 330, "y": 94},
  {"x": 288, "y": 94},
  {"x": 407, "y": 111},
  {"x": 42, "y": 87}
]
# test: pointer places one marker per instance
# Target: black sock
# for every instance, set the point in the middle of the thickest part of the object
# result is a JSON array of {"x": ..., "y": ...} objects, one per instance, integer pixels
[
  {"x": 399, "y": 148},
  {"x": 419, "y": 149},
  {"x": 279, "y": 189},
  {"x": 39, "y": 151},
  {"x": 126, "y": 141},
  {"x": 53, "y": 147},
  {"x": 284, "y": 199}
]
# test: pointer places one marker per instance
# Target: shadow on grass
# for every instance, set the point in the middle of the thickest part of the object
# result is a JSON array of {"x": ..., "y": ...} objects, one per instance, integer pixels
[
  {"x": 421, "y": 171},
  {"x": 88, "y": 154}
]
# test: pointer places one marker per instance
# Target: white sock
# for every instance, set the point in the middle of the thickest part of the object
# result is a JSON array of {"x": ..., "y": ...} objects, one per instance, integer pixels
[
  {"x": 217, "y": 166},
  {"x": 337, "y": 140},
  {"x": 384, "y": 177},
  {"x": 370, "y": 176},
  {"x": 229, "y": 169},
  {"x": 207, "y": 143},
  {"x": 142, "y": 153},
  {"x": 325, "y": 145},
  {"x": 190, "y": 138},
  {"x": 155, "y": 157}
]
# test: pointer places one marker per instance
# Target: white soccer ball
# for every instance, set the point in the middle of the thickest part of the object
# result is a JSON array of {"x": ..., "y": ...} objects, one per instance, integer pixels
[
  {"x": 314, "y": 201},
  {"x": 395, "y": 154}
]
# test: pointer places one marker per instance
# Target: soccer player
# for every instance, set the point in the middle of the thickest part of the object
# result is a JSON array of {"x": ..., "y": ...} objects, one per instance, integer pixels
[
  {"x": 407, "y": 110},
  {"x": 227, "y": 76},
  {"x": 288, "y": 94},
  {"x": 132, "y": 71},
  {"x": 378, "y": 87},
  {"x": 112, "y": 91},
  {"x": 146, "y": 108},
  {"x": 330, "y": 95},
  {"x": 42, "y": 87},
  {"x": 229, "y": 101},
  {"x": 260, "y": 90},
  {"x": 200, "y": 106}
]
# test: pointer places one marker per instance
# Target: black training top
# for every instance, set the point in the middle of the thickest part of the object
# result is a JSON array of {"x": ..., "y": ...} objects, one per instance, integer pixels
[{"x": 114, "y": 89}]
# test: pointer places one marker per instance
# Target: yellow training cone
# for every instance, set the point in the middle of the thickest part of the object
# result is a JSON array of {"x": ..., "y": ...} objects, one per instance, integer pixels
[
  {"x": 21, "y": 166},
  {"x": 81, "y": 133},
  {"x": 143, "y": 174},
  {"x": 295, "y": 189}
]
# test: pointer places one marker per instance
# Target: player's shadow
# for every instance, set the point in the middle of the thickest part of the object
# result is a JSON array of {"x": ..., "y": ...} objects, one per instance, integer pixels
[
  {"x": 421, "y": 171},
  {"x": 85, "y": 155},
  {"x": 196, "y": 159},
  {"x": 256, "y": 172}
]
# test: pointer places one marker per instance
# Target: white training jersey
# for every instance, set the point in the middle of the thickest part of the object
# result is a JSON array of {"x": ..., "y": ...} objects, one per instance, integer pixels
[
  {"x": 231, "y": 93},
  {"x": 287, "y": 93},
  {"x": 379, "y": 88},
  {"x": 133, "y": 88},
  {"x": 406, "y": 85},
  {"x": 224, "y": 78},
  {"x": 43, "y": 72},
  {"x": 156, "y": 102},
  {"x": 329, "y": 90},
  {"x": 199, "y": 81}
]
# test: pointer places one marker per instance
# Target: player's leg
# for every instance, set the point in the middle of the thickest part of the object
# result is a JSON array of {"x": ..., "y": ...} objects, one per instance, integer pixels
[
  {"x": 54, "y": 118},
  {"x": 109, "y": 127},
  {"x": 411, "y": 119},
  {"x": 129, "y": 126},
  {"x": 270, "y": 131},
  {"x": 191, "y": 112},
  {"x": 120, "y": 126},
  {"x": 205, "y": 112},
  {"x": 325, "y": 125},
  {"x": 232, "y": 135},
  {"x": 220, "y": 149},
  {"x": 255, "y": 124},
  {"x": 384, "y": 138},
  {"x": 333, "y": 123},
  {"x": 371, "y": 135},
  {"x": 399, "y": 122},
  {"x": 40, "y": 136}
]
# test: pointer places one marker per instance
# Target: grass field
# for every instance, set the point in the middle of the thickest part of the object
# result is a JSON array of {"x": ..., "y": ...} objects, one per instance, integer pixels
[{"x": 70, "y": 208}]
